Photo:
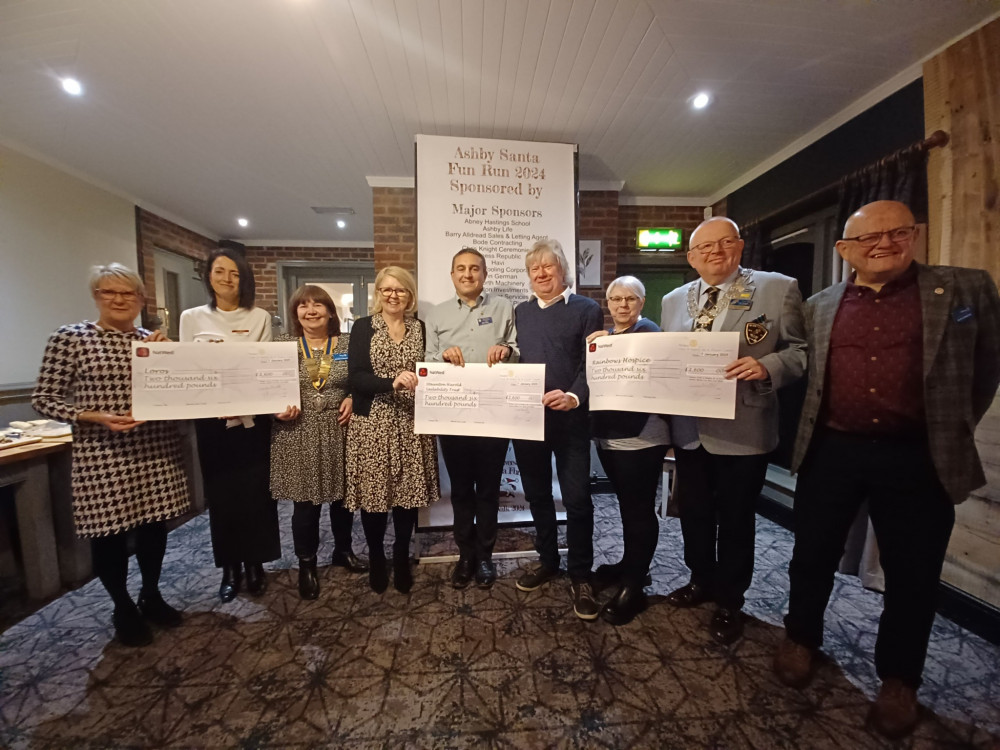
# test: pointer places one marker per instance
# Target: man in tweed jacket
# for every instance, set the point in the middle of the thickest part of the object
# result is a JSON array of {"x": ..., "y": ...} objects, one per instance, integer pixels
[{"x": 904, "y": 360}]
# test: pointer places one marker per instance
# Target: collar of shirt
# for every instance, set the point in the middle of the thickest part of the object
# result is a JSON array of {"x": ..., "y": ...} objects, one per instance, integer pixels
[
  {"x": 898, "y": 284},
  {"x": 564, "y": 297},
  {"x": 723, "y": 287},
  {"x": 480, "y": 301}
]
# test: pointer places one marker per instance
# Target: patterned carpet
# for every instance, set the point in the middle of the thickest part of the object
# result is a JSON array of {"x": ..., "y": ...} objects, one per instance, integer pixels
[{"x": 460, "y": 669}]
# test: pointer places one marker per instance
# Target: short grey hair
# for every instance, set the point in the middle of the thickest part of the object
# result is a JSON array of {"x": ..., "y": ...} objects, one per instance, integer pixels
[
  {"x": 550, "y": 247},
  {"x": 116, "y": 271},
  {"x": 631, "y": 283}
]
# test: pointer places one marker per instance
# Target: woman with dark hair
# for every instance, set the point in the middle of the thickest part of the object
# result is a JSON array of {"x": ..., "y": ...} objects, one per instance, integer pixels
[
  {"x": 389, "y": 468},
  {"x": 234, "y": 452},
  {"x": 128, "y": 476},
  {"x": 307, "y": 445},
  {"x": 631, "y": 447}
]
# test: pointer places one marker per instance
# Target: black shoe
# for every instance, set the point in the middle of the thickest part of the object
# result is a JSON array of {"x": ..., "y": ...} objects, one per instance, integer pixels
[
  {"x": 486, "y": 574},
  {"x": 232, "y": 575},
  {"x": 308, "y": 578},
  {"x": 689, "y": 596},
  {"x": 256, "y": 580},
  {"x": 348, "y": 560},
  {"x": 584, "y": 604},
  {"x": 378, "y": 576},
  {"x": 726, "y": 625},
  {"x": 130, "y": 629},
  {"x": 402, "y": 576},
  {"x": 537, "y": 578},
  {"x": 157, "y": 611},
  {"x": 461, "y": 576},
  {"x": 625, "y": 605}
]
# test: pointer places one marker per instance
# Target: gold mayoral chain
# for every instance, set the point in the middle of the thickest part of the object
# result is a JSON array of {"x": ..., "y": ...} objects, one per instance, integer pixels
[
  {"x": 318, "y": 363},
  {"x": 703, "y": 318}
]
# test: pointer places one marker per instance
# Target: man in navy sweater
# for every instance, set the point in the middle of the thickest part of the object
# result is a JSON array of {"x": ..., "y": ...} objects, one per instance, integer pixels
[{"x": 552, "y": 330}]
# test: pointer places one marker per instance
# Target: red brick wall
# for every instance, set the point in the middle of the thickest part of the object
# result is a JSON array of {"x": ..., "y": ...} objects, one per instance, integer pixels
[
  {"x": 154, "y": 232},
  {"x": 599, "y": 218},
  {"x": 630, "y": 218},
  {"x": 263, "y": 261},
  {"x": 395, "y": 227}
]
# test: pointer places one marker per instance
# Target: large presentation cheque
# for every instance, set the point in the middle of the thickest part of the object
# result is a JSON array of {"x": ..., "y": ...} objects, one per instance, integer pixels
[
  {"x": 194, "y": 380},
  {"x": 502, "y": 401},
  {"x": 664, "y": 373}
]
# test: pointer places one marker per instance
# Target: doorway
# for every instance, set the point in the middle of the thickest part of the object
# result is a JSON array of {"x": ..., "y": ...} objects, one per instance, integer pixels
[
  {"x": 179, "y": 286},
  {"x": 351, "y": 285}
]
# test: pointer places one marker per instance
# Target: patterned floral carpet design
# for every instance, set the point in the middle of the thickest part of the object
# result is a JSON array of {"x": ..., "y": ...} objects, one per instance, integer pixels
[{"x": 441, "y": 668}]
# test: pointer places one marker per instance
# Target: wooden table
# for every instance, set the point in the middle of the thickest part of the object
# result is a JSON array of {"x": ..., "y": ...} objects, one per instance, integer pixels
[{"x": 27, "y": 469}]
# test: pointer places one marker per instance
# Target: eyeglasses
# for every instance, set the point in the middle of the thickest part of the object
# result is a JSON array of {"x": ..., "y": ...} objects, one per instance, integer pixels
[
  {"x": 897, "y": 235},
  {"x": 109, "y": 294},
  {"x": 726, "y": 243},
  {"x": 620, "y": 300},
  {"x": 387, "y": 292}
]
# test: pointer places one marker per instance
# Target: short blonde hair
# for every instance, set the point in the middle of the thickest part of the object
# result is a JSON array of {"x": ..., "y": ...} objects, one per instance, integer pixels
[
  {"x": 405, "y": 278},
  {"x": 552, "y": 248},
  {"x": 116, "y": 271}
]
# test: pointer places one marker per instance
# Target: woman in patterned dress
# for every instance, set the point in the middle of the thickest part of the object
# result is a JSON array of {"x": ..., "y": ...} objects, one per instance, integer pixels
[
  {"x": 235, "y": 452},
  {"x": 388, "y": 467},
  {"x": 128, "y": 476},
  {"x": 307, "y": 445}
]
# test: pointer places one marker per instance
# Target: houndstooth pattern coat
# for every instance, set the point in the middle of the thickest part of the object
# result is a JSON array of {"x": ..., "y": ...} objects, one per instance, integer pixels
[{"x": 120, "y": 479}]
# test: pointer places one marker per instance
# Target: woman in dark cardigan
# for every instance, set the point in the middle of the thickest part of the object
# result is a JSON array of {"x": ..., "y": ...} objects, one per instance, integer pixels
[{"x": 631, "y": 447}]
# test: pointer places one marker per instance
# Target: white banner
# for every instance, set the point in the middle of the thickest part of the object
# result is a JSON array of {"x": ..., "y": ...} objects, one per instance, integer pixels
[
  {"x": 496, "y": 196},
  {"x": 664, "y": 373}
]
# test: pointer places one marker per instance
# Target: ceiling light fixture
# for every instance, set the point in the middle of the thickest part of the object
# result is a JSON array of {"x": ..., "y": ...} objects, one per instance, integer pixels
[
  {"x": 701, "y": 100},
  {"x": 341, "y": 223},
  {"x": 71, "y": 86},
  {"x": 242, "y": 222}
]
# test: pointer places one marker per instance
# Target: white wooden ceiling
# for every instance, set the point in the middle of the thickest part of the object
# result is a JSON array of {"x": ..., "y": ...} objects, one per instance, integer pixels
[{"x": 213, "y": 109}]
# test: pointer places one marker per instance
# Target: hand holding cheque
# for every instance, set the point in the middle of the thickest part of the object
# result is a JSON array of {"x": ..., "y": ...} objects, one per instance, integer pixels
[{"x": 692, "y": 374}]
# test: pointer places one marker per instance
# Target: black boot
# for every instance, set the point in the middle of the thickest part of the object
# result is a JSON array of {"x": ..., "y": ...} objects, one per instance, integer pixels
[
  {"x": 232, "y": 576},
  {"x": 157, "y": 611},
  {"x": 130, "y": 628},
  {"x": 348, "y": 560},
  {"x": 378, "y": 576},
  {"x": 402, "y": 576},
  {"x": 625, "y": 605},
  {"x": 256, "y": 581},
  {"x": 308, "y": 578}
]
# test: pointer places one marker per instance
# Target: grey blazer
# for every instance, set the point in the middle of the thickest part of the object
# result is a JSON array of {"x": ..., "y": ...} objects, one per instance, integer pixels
[
  {"x": 782, "y": 352},
  {"x": 961, "y": 316}
]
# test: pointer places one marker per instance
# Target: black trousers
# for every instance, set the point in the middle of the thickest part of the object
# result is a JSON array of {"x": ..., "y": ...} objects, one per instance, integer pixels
[
  {"x": 635, "y": 476},
  {"x": 717, "y": 496},
  {"x": 912, "y": 516},
  {"x": 475, "y": 468},
  {"x": 567, "y": 435},
  {"x": 305, "y": 527},
  {"x": 236, "y": 467},
  {"x": 110, "y": 560}
]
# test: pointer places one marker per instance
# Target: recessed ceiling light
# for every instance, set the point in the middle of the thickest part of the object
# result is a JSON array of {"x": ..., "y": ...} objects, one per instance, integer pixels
[
  {"x": 701, "y": 100},
  {"x": 341, "y": 223},
  {"x": 71, "y": 86},
  {"x": 242, "y": 222}
]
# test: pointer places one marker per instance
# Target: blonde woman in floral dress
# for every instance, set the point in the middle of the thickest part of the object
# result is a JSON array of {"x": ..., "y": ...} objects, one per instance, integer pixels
[{"x": 388, "y": 467}]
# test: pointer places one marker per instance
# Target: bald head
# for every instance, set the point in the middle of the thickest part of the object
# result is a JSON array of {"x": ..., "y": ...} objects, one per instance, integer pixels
[{"x": 878, "y": 242}]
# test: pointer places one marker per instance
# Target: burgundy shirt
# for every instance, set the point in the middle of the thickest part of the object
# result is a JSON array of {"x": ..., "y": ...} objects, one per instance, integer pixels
[{"x": 875, "y": 376}]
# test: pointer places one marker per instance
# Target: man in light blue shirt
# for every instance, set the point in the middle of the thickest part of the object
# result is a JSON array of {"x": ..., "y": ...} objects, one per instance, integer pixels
[{"x": 473, "y": 326}]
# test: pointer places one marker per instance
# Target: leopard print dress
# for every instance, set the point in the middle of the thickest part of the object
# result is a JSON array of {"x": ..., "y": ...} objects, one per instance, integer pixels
[{"x": 387, "y": 465}]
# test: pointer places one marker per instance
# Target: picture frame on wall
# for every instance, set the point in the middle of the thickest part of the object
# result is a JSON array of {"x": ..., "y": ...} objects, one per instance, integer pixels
[{"x": 588, "y": 263}]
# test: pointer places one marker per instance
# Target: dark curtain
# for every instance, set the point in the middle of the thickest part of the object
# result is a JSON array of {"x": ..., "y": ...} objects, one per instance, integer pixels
[
  {"x": 899, "y": 177},
  {"x": 756, "y": 244}
]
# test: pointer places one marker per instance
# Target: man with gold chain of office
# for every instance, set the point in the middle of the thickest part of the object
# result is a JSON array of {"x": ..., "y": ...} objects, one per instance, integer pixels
[{"x": 721, "y": 463}]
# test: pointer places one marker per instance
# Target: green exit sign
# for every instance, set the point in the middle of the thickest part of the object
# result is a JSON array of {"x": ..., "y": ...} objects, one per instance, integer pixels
[{"x": 659, "y": 238}]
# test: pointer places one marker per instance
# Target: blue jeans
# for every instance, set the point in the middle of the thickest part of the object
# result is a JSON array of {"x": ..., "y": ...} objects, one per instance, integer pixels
[{"x": 567, "y": 435}]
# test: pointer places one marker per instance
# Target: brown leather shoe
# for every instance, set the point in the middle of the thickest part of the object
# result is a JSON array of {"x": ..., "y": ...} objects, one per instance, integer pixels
[
  {"x": 894, "y": 713},
  {"x": 793, "y": 663}
]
